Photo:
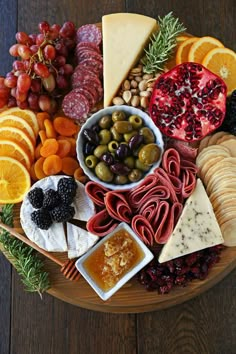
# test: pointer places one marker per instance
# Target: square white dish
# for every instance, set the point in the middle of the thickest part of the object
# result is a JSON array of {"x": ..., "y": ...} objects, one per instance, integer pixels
[{"x": 146, "y": 258}]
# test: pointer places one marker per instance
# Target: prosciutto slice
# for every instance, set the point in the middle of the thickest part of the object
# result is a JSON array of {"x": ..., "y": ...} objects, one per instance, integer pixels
[
  {"x": 101, "y": 223},
  {"x": 143, "y": 229},
  {"x": 96, "y": 192},
  {"x": 117, "y": 206}
]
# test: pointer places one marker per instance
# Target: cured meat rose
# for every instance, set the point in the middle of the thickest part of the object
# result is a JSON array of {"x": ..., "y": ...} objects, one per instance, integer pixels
[
  {"x": 143, "y": 229},
  {"x": 171, "y": 162},
  {"x": 101, "y": 223},
  {"x": 76, "y": 106},
  {"x": 96, "y": 192},
  {"x": 89, "y": 33},
  {"x": 117, "y": 206}
]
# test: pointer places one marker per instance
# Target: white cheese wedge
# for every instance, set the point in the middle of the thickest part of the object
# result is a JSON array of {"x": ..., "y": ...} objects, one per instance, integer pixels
[
  {"x": 79, "y": 240},
  {"x": 54, "y": 239},
  {"x": 196, "y": 229},
  {"x": 125, "y": 35}
]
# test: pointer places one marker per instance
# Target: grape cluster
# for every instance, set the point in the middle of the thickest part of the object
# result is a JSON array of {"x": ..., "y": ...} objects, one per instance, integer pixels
[{"x": 41, "y": 71}]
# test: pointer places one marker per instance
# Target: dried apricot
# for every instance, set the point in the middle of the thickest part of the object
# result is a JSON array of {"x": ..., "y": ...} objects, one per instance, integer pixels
[
  {"x": 32, "y": 174},
  {"x": 50, "y": 147},
  {"x": 78, "y": 173},
  {"x": 37, "y": 151},
  {"x": 41, "y": 116},
  {"x": 50, "y": 131},
  {"x": 38, "y": 168},
  {"x": 69, "y": 165},
  {"x": 64, "y": 147},
  {"x": 42, "y": 135},
  {"x": 72, "y": 142},
  {"x": 65, "y": 126},
  {"x": 52, "y": 165}
]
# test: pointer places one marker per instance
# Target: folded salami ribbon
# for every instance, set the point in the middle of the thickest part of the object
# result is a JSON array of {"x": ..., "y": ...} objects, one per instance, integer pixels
[
  {"x": 117, "y": 206},
  {"x": 189, "y": 183},
  {"x": 171, "y": 162},
  {"x": 143, "y": 229},
  {"x": 96, "y": 192},
  {"x": 164, "y": 179},
  {"x": 101, "y": 223},
  {"x": 136, "y": 195}
]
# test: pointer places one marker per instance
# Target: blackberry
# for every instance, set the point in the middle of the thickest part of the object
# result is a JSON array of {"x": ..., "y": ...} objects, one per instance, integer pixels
[
  {"x": 41, "y": 218},
  {"x": 67, "y": 189},
  {"x": 229, "y": 123},
  {"x": 51, "y": 199},
  {"x": 36, "y": 197},
  {"x": 62, "y": 213}
]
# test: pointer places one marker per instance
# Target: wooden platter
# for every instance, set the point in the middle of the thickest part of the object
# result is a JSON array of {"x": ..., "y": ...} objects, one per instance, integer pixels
[{"x": 132, "y": 298}]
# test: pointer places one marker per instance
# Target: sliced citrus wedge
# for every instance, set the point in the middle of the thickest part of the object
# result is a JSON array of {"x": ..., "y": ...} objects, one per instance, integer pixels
[
  {"x": 171, "y": 63},
  {"x": 10, "y": 148},
  {"x": 28, "y": 115},
  {"x": 14, "y": 181},
  {"x": 222, "y": 62},
  {"x": 183, "y": 50},
  {"x": 18, "y": 136},
  {"x": 17, "y": 122},
  {"x": 200, "y": 48}
]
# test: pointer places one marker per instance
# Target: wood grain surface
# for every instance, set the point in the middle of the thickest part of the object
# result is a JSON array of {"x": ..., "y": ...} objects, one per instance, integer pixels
[{"x": 206, "y": 324}]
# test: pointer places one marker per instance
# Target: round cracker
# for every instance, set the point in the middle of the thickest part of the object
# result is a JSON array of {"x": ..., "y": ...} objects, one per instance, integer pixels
[
  {"x": 213, "y": 139},
  {"x": 231, "y": 145},
  {"x": 203, "y": 143},
  {"x": 228, "y": 230},
  {"x": 224, "y": 138}
]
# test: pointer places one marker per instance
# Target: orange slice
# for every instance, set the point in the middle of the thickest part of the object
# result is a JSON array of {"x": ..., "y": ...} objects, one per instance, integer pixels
[
  {"x": 14, "y": 180},
  {"x": 17, "y": 122},
  {"x": 28, "y": 115},
  {"x": 10, "y": 148},
  {"x": 200, "y": 48},
  {"x": 183, "y": 50},
  {"x": 171, "y": 62},
  {"x": 18, "y": 136},
  {"x": 222, "y": 62}
]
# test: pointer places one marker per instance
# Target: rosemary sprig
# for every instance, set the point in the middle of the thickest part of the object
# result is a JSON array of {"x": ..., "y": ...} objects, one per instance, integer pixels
[
  {"x": 162, "y": 44},
  {"x": 24, "y": 258}
]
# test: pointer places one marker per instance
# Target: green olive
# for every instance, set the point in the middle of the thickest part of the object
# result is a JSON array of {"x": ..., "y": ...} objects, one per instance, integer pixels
[
  {"x": 105, "y": 122},
  {"x": 118, "y": 115},
  {"x": 128, "y": 136},
  {"x": 141, "y": 166},
  {"x": 113, "y": 145},
  {"x": 136, "y": 121},
  {"x": 148, "y": 135},
  {"x": 136, "y": 151},
  {"x": 121, "y": 179},
  {"x": 123, "y": 127},
  {"x": 100, "y": 150},
  {"x": 135, "y": 175},
  {"x": 103, "y": 172},
  {"x": 149, "y": 154},
  {"x": 115, "y": 135},
  {"x": 129, "y": 161},
  {"x": 104, "y": 136},
  {"x": 91, "y": 161}
]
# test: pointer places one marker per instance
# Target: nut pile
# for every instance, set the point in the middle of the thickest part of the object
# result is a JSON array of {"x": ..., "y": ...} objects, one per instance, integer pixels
[{"x": 136, "y": 90}]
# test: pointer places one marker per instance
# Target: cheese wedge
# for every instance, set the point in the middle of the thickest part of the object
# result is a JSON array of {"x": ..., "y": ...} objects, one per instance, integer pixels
[
  {"x": 125, "y": 35},
  {"x": 196, "y": 229}
]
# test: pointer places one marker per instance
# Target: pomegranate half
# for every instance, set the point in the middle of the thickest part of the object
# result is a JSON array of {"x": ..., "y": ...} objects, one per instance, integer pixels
[{"x": 188, "y": 102}]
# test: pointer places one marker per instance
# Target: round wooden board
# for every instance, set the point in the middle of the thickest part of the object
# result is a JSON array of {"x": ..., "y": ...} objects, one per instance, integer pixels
[{"x": 132, "y": 298}]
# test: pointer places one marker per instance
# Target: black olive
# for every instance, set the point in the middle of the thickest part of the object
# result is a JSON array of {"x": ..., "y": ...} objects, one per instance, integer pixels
[
  {"x": 88, "y": 148},
  {"x": 107, "y": 158},
  {"x": 120, "y": 169},
  {"x": 122, "y": 152},
  {"x": 91, "y": 136},
  {"x": 135, "y": 141}
]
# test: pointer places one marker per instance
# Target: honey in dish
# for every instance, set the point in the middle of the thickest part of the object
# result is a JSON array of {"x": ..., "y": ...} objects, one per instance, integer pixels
[{"x": 113, "y": 259}]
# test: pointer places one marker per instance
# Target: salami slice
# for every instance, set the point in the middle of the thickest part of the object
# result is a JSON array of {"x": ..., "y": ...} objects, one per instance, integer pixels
[
  {"x": 143, "y": 229},
  {"x": 93, "y": 64},
  {"x": 137, "y": 193},
  {"x": 189, "y": 183},
  {"x": 89, "y": 33},
  {"x": 76, "y": 106},
  {"x": 101, "y": 223},
  {"x": 88, "y": 54},
  {"x": 117, "y": 206},
  {"x": 87, "y": 45},
  {"x": 171, "y": 162},
  {"x": 96, "y": 192},
  {"x": 84, "y": 90}
]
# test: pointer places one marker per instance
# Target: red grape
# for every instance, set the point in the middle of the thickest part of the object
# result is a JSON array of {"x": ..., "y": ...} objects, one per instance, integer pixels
[
  {"x": 11, "y": 102},
  {"x": 4, "y": 93},
  {"x": 66, "y": 69},
  {"x": 10, "y": 81},
  {"x": 40, "y": 39},
  {"x": 33, "y": 100},
  {"x": 13, "y": 50},
  {"x": 62, "y": 82},
  {"x": 68, "y": 29},
  {"x": 23, "y": 83},
  {"x": 49, "y": 52},
  {"x": 41, "y": 70},
  {"x": 3, "y": 102},
  {"x": 59, "y": 61},
  {"x": 22, "y": 37},
  {"x": 44, "y": 103},
  {"x": 18, "y": 65},
  {"x": 35, "y": 85},
  {"x": 49, "y": 83},
  {"x": 43, "y": 27},
  {"x": 33, "y": 37},
  {"x": 54, "y": 31},
  {"x": 34, "y": 48},
  {"x": 24, "y": 51},
  {"x": 22, "y": 104},
  {"x": 21, "y": 96}
]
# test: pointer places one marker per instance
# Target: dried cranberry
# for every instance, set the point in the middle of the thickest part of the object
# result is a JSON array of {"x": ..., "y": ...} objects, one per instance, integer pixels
[{"x": 188, "y": 102}]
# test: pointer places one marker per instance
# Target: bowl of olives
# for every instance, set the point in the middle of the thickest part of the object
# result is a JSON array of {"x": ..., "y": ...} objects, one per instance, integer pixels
[{"x": 118, "y": 146}]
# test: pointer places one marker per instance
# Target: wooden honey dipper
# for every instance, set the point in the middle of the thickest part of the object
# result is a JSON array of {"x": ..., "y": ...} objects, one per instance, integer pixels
[{"x": 68, "y": 267}]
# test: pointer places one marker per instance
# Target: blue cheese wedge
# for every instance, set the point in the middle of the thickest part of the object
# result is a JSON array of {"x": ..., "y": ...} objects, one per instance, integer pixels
[
  {"x": 79, "y": 240},
  {"x": 196, "y": 229}
]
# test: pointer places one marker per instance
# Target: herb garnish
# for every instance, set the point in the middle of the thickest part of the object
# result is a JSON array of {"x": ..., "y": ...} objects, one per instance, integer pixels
[
  {"x": 24, "y": 258},
  {"x": 162, "y": 44}
]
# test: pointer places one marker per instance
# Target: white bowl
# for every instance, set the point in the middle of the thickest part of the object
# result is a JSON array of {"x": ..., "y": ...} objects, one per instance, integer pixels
[
  {"x": 145, "y": 258},
  {"x": 93, "y": 120}
]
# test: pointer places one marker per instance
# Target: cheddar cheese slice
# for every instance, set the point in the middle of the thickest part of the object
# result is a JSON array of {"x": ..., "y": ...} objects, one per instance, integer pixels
[{"x": 125, "y": 35}]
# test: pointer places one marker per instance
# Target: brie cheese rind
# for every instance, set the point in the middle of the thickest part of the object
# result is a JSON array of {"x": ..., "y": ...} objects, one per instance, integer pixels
[
  {"x": 79, "y": 240},
  {"x": 54, "y": 239},
  {"x": 196, "y": 229}
]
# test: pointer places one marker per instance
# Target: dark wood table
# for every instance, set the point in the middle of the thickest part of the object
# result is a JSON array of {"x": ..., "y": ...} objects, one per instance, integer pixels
[{"x": 28, "y": 325}]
